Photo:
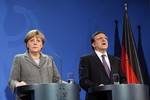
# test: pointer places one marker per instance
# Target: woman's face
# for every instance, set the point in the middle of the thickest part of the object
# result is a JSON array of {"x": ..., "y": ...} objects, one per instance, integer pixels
[{"x": 35, "y": 44}]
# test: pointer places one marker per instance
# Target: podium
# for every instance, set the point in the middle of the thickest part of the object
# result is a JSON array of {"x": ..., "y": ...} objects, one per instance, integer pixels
[
  {"x": 51, "y": 91},
  {"x": 121, "y": 92}
]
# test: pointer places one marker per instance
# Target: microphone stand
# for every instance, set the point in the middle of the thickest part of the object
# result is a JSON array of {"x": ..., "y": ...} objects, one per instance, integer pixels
[{"x": 60, "y": 60}]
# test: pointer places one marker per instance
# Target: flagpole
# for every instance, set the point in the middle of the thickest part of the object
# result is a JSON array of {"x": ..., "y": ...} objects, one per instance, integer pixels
[
  {"x": 126, "y": 6},
  {"x": 132, "y": 76},
  {"x": 126, "y": 11}
]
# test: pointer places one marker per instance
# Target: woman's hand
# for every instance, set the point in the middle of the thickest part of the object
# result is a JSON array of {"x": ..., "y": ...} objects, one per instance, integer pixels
[{"x": 22, "y": 83}]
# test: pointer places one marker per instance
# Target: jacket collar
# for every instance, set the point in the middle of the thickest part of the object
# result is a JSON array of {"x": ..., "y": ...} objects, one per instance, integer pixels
[{"x": 42, "y": 59}]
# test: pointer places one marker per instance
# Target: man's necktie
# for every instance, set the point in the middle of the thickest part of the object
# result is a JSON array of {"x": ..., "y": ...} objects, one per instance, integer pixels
[{"x": 106, "y": 65}]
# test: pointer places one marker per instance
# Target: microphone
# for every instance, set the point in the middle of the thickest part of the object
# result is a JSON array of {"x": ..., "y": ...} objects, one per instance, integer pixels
[
  {"x": 121, "y": 59},
  {"x": 60, "y": 61}
]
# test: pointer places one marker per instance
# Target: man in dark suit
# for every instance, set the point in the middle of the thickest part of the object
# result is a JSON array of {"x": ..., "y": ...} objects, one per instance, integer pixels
[{"x": 91, "y": 68}]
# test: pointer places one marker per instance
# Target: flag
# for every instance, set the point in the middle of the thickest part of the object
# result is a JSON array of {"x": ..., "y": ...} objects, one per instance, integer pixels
[
  {"x": 130, "y": 64},
  {"x": 143, "y": 65},
  {"x": 117, "y": 44}
]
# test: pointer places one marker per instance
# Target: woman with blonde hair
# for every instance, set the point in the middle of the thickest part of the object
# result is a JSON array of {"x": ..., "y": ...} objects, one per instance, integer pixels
[{"x": 33, "y": 66}]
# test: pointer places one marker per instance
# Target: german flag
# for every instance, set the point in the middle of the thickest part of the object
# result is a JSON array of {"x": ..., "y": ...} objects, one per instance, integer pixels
[{"x": 130, "y": 64}]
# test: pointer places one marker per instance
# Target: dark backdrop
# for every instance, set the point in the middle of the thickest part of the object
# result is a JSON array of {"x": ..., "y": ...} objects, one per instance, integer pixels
[{"x": 67, "y": 26}]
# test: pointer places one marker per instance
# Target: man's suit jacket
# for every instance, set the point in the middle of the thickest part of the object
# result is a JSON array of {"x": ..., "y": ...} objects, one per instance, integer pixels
[
  {"x": 25, "y": 69},
  {"x": 92, "y": 72}
]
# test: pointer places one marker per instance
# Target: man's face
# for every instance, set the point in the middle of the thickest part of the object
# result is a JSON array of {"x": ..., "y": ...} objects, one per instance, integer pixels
[{"x": 100, "y": 43}]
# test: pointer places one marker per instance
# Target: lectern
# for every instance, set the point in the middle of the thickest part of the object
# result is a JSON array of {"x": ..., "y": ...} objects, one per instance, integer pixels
[
  {"x": 121, "y": 92},
  {"x": 51, "y": 91}
]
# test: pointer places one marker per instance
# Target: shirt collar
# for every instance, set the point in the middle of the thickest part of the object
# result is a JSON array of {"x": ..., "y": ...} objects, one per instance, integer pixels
[{"x": 100, "y": 54}]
